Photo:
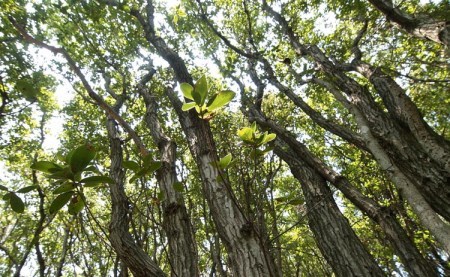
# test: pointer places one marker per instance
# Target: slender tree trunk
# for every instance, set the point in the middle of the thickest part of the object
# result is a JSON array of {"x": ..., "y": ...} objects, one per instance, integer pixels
[
  {"x": 413, "y": 167},
  {"x": 121, "y": 240},
  {"x": 177, "y": 225},
  {"x": 245, "y": 249}
]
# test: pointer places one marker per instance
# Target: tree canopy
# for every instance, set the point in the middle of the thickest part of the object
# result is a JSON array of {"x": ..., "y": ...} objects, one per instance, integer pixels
[{"x": 225, "y": 138}]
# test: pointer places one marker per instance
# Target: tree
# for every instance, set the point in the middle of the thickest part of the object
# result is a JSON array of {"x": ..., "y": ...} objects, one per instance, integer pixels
[{"x": 335, "y": 159}]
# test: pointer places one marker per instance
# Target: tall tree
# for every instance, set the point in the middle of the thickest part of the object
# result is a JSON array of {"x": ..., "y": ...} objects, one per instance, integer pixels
[{"x": 333, "y": 157}]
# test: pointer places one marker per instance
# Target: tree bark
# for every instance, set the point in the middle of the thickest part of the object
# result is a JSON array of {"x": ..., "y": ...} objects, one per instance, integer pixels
[
  {"x": 121, "y": 240},
  {"x": 245, "y": 249},
  {"x": 334, "y": 236},
  {"x": 413, "y": 261},
  {"x": 177, "y": 225},
  {"x": 421, "y": 26}
]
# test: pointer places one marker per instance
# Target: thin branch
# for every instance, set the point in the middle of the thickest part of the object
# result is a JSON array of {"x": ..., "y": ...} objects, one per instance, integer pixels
[{"x": 97, "y": 98}]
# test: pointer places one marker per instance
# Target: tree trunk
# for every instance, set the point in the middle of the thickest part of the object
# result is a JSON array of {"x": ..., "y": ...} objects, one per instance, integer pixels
[
  {"x": 420, "y": 26},
  {"x": 121, "y": 240},
  {"x": 413, "y": 261},
  {"x": 177, "y": 225},
  {"x": 245, "y": 249},
  {"x": 334, "y": 236}
]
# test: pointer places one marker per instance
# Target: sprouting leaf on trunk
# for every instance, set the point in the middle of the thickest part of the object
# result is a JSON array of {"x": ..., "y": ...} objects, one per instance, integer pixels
[
  {"x": 225, "y": 161},
  {"x": 219, "y": 100}
]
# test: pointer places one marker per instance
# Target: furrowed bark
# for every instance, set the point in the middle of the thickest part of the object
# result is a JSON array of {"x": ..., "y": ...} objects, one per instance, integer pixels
[
  {"x": 246, "y": 252},
  {"x": 126, "y": 248},
  {"x": 421, "y": 26},
  {"x": 400, "y": 147},
  {"x": 413, "y": 261},
  {"x": 335, "y": 238},
  {"x": 177, "y": 225},
  {"x": 404, "y": 110}
]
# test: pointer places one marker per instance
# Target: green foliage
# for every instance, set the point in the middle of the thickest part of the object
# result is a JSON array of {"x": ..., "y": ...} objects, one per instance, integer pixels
[
  {"x": 148, "y": 167},
  {"x": 199, "y": 94},
  {"x": 250, "y": 136},
  {"x": 71, "y": 179}
]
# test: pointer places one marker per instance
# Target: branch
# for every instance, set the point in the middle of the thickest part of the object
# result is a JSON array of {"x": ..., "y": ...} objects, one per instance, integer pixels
[
  {"x": 421, "y": 26},
  {"x": 97, "y": 98}
]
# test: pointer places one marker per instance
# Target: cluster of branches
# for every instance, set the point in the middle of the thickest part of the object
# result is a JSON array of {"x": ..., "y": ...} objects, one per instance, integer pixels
[{"x": 413, "y": 156}]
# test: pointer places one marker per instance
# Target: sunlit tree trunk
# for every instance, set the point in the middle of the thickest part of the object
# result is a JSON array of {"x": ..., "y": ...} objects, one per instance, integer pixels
[{"x": 177, "y": 225}]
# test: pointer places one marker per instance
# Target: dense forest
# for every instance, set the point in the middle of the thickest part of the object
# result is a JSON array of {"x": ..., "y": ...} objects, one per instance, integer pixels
[{"x": 224, "y": 138}]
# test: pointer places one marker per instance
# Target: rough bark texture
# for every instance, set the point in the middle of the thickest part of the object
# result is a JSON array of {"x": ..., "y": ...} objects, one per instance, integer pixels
[
  {"x": 335, "y": 238},
  {"x": 177, "y": 225},
  {"x": 245, "y": 250},
  {"x": 414, "y": 262},
  {"x": 420, "y": 26},
  {"x": 121, "y": 240},
  {"x": 411, "y": 163}
]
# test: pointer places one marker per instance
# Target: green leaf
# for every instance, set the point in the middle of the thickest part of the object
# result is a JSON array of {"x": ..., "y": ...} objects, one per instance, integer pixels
[
  {"x": 60, "y": 201},
  {"x": 3, "y": 188},
  {"x": 200, "y": 91},
  {"x": 16, "y": 203},
  {"x": 92, "y": 168},
  {"x": 225, "y": 161},
  {"x": 220, "y": 100},
  {"x": 65, "y": 173},
  {"x": 81, "y": 157},
  {"x": 45, "y": 166},
  {"x": 146, "y": 161},
  {"x": 97, "y": 180},
  {"x": 187, "y": 90},
  {"x": 246, "y": 134},
  {"x": 269, "y": 137},
  {"x": 64, "y": 188},
  {"x": 132, "y": 165},
  {"x": 188, "y": 106},
  {"x": 27, "y": 189},
  {"x": 7, "y": 196},
  {"x": 26, "y": 87},
  {"x": 178, "y": 186},
  {"x": 76, "y": 205},
  {"x": 254, "y": 126}
]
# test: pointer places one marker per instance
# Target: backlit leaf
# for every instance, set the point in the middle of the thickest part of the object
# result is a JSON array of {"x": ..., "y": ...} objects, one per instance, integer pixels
[
  {"x": 64, "y": 188},
  {"x": 45, "y": 166},
  {"x": 187, "y": 89},
  {"x": 221, "y": 99},
  {"x": 27, "y": 189},
  {"x": 188, "y": 106},
  {"x": 76, "y": 205}
]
